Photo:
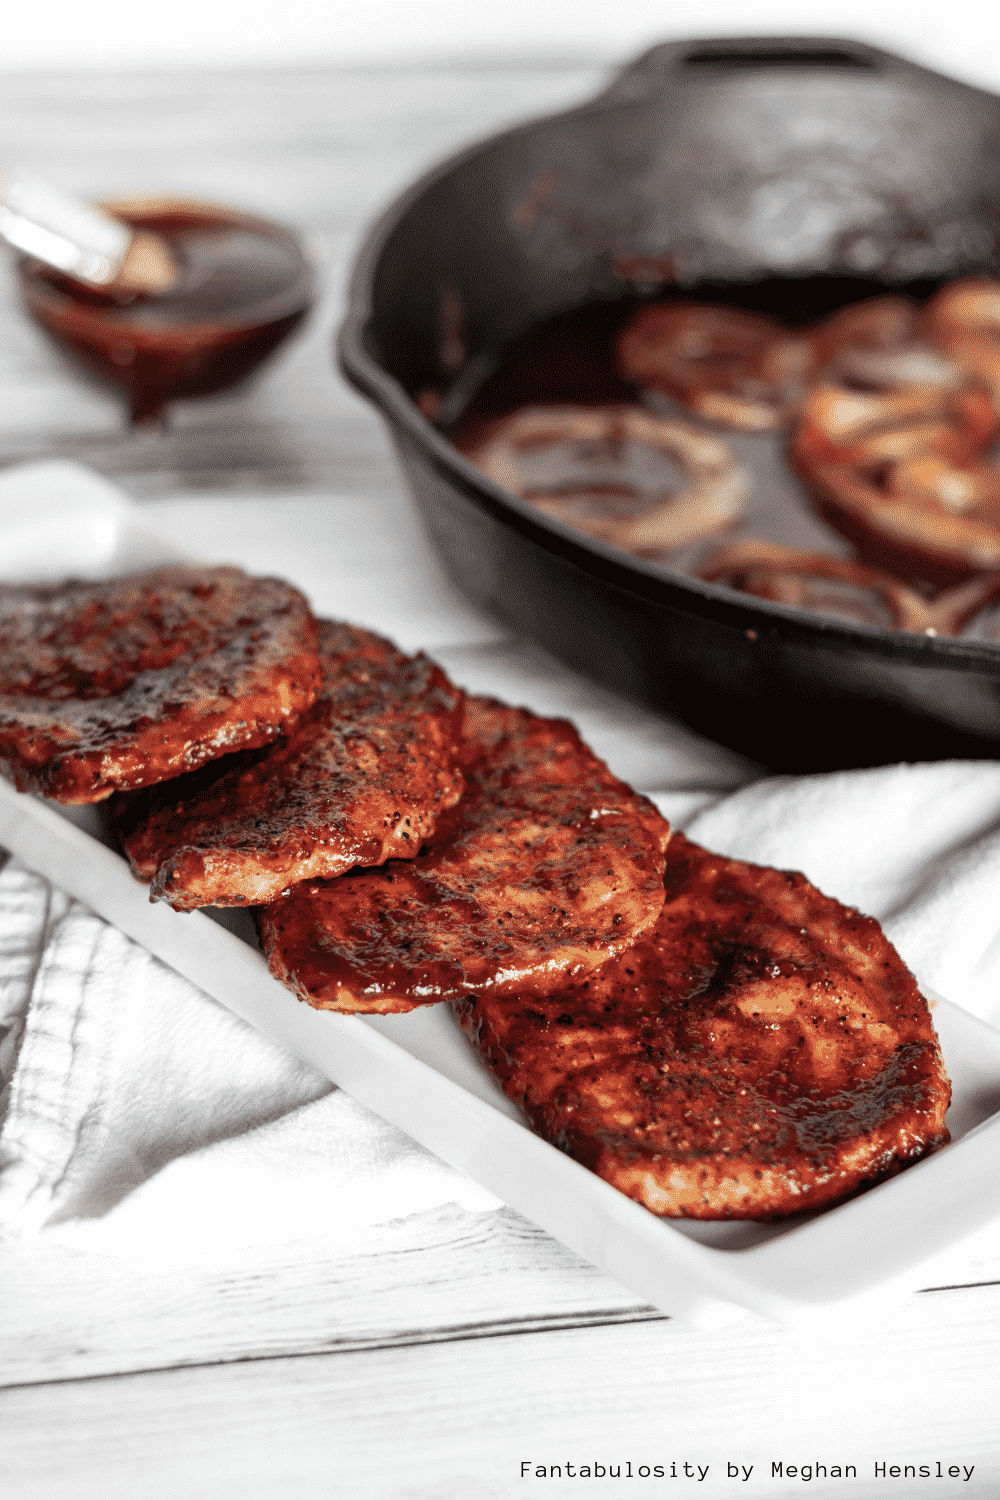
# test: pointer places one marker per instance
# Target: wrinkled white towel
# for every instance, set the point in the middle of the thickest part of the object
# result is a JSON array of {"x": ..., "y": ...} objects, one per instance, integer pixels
[
  {"x": 128, "y": 1075},
  {"x": 917, "y": 846},
  {"x": 145, "y": 1119}
]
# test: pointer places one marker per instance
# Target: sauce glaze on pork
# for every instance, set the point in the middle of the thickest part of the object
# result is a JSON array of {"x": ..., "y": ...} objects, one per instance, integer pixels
[
  {"x": 362, "y": 779},
  {"x": 546, "y": 866},
  {"x": 133, "y": 680},
  {"x": 761, "y": 1052}
]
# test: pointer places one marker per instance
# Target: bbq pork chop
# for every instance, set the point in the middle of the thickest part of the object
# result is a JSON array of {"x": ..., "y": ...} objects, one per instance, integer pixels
[
  {"x": 762, "y": 1051},
  {"x": 546, "y": 866},
  {"x": 132, "y": 680},
  {"x": 363, "y": 778}
]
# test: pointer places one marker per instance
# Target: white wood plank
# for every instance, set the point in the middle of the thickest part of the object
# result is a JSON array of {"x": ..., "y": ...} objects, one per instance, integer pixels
[
  {"x": 454, "y": 1421},
  {"x": 438, "y": 1275}
]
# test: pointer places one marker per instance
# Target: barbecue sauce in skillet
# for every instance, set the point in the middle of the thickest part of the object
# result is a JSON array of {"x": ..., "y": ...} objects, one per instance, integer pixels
[{"x": 570, "y": 359}]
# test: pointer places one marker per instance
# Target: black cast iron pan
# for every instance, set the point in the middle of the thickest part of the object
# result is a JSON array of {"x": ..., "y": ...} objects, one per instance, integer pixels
[{"x": 796, "y": 173}]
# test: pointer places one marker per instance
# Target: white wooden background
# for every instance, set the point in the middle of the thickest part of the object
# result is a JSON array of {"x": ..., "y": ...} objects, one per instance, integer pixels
[
  {"x": 449, "y": 1347},
  {"x": 958, "y": 38}
]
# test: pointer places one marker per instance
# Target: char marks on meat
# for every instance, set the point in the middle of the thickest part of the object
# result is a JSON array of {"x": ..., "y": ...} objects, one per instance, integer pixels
[
  {"x": 123, "y": 683},
  {"x": 363, "y": 778},
  {"x": 546, "y": 865},
  {"x": 763, "y": 1051}
]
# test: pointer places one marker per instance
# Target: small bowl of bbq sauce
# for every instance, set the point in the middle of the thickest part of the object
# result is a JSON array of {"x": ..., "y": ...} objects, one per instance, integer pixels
[{"x": 244, "y": 285}]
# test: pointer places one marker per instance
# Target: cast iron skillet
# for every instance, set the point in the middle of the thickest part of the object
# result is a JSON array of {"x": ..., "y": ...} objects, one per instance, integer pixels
[{"x": 739, "y": 165}]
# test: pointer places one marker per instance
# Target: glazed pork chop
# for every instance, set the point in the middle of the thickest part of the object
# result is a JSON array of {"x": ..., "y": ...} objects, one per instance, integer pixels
[
  {"x": 133, "y": 680},
  {"x": 363, "y": 778},
  {"x": 546, "y": 866},
  {"x": 761, "y": 1052}
]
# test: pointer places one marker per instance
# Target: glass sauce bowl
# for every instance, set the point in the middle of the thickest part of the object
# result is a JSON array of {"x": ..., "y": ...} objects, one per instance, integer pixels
[{"x": 244, "y": 285}]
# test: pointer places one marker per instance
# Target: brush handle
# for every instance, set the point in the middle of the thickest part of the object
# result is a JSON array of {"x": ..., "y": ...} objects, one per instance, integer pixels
[{"x": 62, "y": 230}]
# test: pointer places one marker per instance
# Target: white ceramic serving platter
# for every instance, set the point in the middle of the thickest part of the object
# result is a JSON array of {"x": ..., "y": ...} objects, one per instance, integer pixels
[{"x": 418, "y": 1071}]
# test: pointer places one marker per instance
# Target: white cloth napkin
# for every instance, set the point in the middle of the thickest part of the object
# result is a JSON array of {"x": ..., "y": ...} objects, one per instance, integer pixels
[
  {"x": 917, "y": 846},
  {"x": 128, "y": 1075},
  {"x": 145, "y": 1119}
]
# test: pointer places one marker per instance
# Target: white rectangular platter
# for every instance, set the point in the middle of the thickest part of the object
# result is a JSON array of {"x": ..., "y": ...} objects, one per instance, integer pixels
[{"x": 418, "y": 1071}]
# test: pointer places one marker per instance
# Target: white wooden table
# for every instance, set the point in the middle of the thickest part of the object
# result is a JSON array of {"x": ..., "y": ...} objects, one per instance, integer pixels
[{"x": 449, "y": 1349}]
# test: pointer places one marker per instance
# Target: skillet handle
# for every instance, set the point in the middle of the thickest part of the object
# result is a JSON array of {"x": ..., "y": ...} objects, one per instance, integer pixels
[{"x": 702, "y": 60}]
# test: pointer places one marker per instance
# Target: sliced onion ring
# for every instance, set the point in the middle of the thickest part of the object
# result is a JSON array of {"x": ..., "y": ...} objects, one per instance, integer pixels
[
  {"x": 877, "y": 327},
  {"x": 963, "y": 319},
  {"x": 725, "y": 364},
  {"x": 713, "y": 498},
  {"x": 955, "y": 608},
  {"x": 891, "y": 420},
  {"x": 886, "y": 393},
  {"x": 967, "y": 307},
  {"x": 905, "y": 532},
  {"x": 782, "y": 574}
]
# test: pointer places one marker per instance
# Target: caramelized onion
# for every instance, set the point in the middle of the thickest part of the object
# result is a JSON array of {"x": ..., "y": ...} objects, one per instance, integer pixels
[
  {"x": 727, "y": 365},
  {"x": 573, "y": 463},
  {"x": 824, "y": 585},
  {"x": 958, "y": 607},
  {"x": 963, "y": 319},
  {"x": 886, "y": 395},
  {"x": 872, "y": 330},
  {"x": 890, "y": 417},
  {"x": 911, "y": 533}
]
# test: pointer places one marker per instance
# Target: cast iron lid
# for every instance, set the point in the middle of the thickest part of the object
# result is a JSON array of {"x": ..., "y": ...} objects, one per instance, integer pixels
[{"x": 750, "y": 163}]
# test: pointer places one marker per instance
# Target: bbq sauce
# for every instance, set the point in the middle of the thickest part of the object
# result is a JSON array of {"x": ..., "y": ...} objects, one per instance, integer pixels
[
  {"x": 570, "y": 360},
  {"x": 570, "y": 357},
  {"x": 243, "y": 286}
]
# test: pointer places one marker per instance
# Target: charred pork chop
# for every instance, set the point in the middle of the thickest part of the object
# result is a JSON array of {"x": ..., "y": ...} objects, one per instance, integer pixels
[
  {"x": 363, "y": 778},
  {"x": 546, "y": 866},
  {"x": 762, "y": 1051},
  {"x": 133, "y": 680}
]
